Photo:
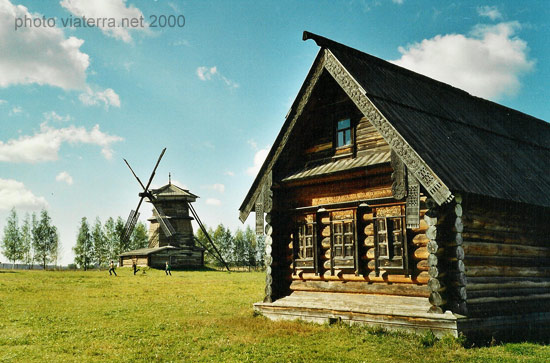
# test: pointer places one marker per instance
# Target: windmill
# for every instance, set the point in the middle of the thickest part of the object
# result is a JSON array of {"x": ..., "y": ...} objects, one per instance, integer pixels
[{"x": 155, "y": 198}]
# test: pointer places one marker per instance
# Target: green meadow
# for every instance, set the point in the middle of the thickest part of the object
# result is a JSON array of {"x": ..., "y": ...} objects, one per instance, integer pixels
[{"x": 193, "y": 316}]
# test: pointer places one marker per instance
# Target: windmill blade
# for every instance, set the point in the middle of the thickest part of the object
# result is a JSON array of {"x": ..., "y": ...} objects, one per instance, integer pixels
[
  {"x": 130, "y": 224},
  {"x": 145, "y": 189},
  {"x": 132, "y": 170},
  {"x": 165, "y": 224},
  {"x": 196, "y": 216},
  {"x": 209, "y": 251}
]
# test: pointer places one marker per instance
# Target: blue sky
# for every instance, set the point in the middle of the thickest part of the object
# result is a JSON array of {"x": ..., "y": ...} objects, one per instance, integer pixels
[{"x": 75, "y": 101}]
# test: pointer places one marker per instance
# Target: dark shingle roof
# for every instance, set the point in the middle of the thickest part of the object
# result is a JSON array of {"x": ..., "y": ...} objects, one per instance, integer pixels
[{"x": 472, "y": 144}]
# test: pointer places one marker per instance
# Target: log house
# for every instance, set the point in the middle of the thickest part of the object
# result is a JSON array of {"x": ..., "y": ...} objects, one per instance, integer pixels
[{"x": 397, "y": 200}]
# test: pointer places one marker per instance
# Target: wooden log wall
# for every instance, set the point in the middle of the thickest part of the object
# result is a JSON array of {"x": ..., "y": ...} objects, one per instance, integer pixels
[
  {"x": 368, "y": 139},
  {"x": 435, "y": 220},
  {"x": 502, "y": 255},
  {"x": 367, "y": 281},
  {"x": 278, "y": 261}
]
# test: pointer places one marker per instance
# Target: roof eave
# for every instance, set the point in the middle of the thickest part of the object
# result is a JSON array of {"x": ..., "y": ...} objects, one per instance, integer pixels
[{"x": 247, "y": 205}]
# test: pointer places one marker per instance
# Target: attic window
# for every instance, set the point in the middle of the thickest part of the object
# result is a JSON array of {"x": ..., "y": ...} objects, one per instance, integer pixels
[{"x": 343, "y": 132}]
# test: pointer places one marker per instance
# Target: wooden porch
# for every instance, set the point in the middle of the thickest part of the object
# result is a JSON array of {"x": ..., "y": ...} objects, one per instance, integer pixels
[{"x": 387, "y": 311}]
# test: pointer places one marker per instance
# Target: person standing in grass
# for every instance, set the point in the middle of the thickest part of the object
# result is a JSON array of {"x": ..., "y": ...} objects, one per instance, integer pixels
[
  {"x": 112, "y": 268},
  {"x": 134, "y": 266},
  {"x": 168, "y": 269}
]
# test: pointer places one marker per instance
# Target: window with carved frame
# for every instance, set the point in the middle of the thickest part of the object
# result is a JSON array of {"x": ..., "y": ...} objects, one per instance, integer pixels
[
  {"x": 343, "y": 132},
  {"x": 343, "y": 238},
  {"x": 391, "y": 239},
  {"x": 305, "y": 241}
]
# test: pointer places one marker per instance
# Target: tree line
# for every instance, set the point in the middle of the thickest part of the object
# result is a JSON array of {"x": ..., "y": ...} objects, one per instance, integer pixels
[
  {"x": 241, "y": 249},
  {"x": 98, "y": 244},
  {"x": 36, "y": 240}
]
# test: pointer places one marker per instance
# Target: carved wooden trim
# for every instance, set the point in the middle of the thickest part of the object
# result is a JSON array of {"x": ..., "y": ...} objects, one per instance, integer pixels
[
  {"x": 435, "y": 187},
  {"x": 412, "y": 206},
  {"x": 317, "y": 68},
  {"x": 399, "y": 186},
  {"x": 259, "y": 208}
]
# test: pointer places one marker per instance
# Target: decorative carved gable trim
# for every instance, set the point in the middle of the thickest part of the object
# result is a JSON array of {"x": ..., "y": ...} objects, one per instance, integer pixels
[
  {"x": 435, "y": 187},
  {"x": 295, "y": 113},
  {"x": 399, "y": 185},
  {"x": 412, "y": 207}
]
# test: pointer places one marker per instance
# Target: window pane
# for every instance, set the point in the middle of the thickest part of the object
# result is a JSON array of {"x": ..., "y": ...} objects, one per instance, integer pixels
[
  {"x": 338, "y": 228},
  {"x": 382, "y": 251},
  {"x": 397, "y": 251},
  {"x": 340, "y": 139},
  {"x": 347, "y": 228},
  {"x": 343, "y": 124},
  {"x": 381, "y": 224},
  {"x": 338, "y": 251},
  {"x": 396, "y": 224},
  {"x": 347, "y": 137},
  {"x": 349, "y": 251}
]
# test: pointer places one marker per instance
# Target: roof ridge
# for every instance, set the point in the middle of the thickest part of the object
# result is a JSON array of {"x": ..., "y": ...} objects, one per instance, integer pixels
[{"x": 327, "y": 43}]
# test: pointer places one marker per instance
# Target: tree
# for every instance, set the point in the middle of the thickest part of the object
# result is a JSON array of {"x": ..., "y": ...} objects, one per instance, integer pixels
[
  {"x": 45, "y": 239},
  {"x": 99, "y": 242},
  {"x": 250, "y": 247},
  {"x": 26, "y": 240},
  {"x": 222, "y": 239},
  {"x": 139, "y": 238},
  {"x": 111, "y": 238},
  {"x": 84, "y": 248},
  {"x": 240, "y": 249},
  {"x": 123, "y": 246},
  {"x": 55, "y": 247},
  {"x": 12, "y": 246}
]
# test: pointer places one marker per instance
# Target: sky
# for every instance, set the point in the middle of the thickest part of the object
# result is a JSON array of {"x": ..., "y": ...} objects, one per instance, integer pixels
[{"x": 214, "y": 90}]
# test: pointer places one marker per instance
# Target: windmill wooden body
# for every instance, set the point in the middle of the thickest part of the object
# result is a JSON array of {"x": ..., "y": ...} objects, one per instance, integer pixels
[{"x": 171, "y": 237}]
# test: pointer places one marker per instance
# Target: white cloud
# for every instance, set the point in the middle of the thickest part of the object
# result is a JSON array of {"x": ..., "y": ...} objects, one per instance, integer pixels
[
  {"x": 259, "y": 158},
  {"x": 181, "y": 42},
  {"x": 220, "y": 188},
  {"x": 14, "y": 194},
  {"x": 213, "y": 201},
  {"x": 64, "y": 177},
  {"x": 38, "y": 55},
  {"x": 3, "y": 102},
  {"x": 209, "y": 73},
  {"x": 253, "y": 144},
  {"x": 486, "y": 63},
  {"x": 45, "y": 144},
  {"x": 15, "y": 110},
  {"x": 54, "y": 116},
  {"x": 107, "y": 98},
  {"x": 490, "y": 12},
  {"x": 229, "y": 173},
  {"x": 116, "y": 9},
  {"x": 229, "y": 83},
  {"x": 400, "y": 2},
  {"x": 205, "y": 73}
]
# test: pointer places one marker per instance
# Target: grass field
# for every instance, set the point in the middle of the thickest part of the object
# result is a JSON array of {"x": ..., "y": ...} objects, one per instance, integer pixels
[{"x": 192, "y": 316}]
